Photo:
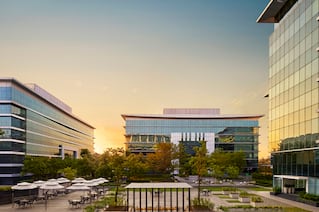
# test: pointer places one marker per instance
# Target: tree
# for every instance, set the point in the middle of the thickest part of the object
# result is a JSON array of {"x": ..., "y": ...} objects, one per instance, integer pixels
[
  {"x": 86, "y": 165},
  {"x": 200, "y": 162},
  {"x": 184, "y": 158},
  {"x": 161, "y": 160},
  {"x": 230, "y": 163},
  {"x": 116, "y": 161},
  {"x": 68, "y": 172},
  {"x": 36, "y": 166},
  {"x": 232, "y": 171},
  {"x": 134, "y": 166}
]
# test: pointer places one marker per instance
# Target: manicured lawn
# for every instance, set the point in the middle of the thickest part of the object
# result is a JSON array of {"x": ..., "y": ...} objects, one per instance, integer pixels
[
  {"x": 223, "y": 196},
  {"x": 233, "y": 201}
]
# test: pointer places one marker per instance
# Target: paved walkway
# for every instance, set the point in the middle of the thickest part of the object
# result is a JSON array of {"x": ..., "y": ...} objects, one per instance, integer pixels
[
  {"x": 267, "y": 195},
  {"x": 60, "y": 204}
]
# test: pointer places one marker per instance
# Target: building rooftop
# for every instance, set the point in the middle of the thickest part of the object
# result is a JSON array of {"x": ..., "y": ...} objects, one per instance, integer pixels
[
  {"x": 39, "y": 92},
  {"x": 192, "y": 113},
  {"x": 158, "y": 185},
  {"x": 275, "y": 11}
]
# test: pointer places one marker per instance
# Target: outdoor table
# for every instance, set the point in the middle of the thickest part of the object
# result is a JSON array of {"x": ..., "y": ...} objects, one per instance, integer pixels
[
  {"x": 85, "y": 199},
  {"x": 24, "y": 202},
  {"x": 75, "y": 202}
]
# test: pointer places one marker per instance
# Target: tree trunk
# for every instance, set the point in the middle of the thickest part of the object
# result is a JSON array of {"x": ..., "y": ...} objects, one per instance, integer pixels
[{"x": 199, "y": 181}]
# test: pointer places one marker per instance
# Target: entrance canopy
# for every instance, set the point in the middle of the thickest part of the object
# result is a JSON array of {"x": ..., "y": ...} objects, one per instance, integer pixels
[{"x": 158, "y": 185}]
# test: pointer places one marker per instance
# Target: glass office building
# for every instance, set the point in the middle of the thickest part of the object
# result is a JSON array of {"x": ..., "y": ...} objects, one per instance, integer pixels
[
  {"x": 190, "y": 126},
  {"x": 34, "y": 122},
  {"x": 293, "y": 94}
]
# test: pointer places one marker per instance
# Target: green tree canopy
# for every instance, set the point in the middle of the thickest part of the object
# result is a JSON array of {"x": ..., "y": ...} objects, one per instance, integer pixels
[{"x": 161, "y": 160}]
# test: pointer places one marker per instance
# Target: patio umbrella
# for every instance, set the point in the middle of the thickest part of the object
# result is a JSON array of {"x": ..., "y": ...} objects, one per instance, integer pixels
[
  {"x": 79, "y": 180},
  {"x": 63, "y": 180},
  {"x": 50, "y": 186},
  {"x": 79, "y": 187},
  {"x": 22, "y": 186},
  {"x": 52, "y": 180},
  {"x": 103, "y": 180},
  {"x": 91, "y": 183},
  {"x": 38, "y": 183}
]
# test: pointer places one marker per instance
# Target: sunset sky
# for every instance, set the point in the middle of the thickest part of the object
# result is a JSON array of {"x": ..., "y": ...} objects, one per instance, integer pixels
[{"x": 105, "y": 58}]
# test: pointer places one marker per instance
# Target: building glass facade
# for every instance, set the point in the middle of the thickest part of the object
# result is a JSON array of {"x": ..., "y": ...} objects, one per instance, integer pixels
[
  {"x": 227, "y": 132},
  {"x": 293, "y": 93},
  {"x": 37, "y": 124}
]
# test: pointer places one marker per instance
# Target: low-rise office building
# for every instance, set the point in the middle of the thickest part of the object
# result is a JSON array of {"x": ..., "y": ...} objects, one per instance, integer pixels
[
  {"x": 34, "y": 122},
  {"x": 190, "y": 126}
]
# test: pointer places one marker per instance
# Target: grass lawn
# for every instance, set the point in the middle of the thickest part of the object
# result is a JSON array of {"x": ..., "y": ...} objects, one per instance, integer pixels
[
  {"x": 223, "y": 196},
  {"x": 233, "y": 201}
]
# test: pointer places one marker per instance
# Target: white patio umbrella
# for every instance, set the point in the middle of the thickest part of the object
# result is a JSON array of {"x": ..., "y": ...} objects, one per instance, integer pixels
[
  {"x": 79, "y": 187},
  {"x": 78, "y": 180},
  {"x": 38, "y": 183},
  {"x": 50, "y": 186},
  {"x": 22, "y": 186},
  {"x": 63, "y": 180},
  {"x": 103, "y": 180},
  {"x": 92, "y": 183},
  {"x": 52, "y": 180}
]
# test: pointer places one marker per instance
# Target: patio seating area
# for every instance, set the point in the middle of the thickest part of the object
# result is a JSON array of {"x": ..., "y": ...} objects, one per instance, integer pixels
[{"x": 23, "y": 203}]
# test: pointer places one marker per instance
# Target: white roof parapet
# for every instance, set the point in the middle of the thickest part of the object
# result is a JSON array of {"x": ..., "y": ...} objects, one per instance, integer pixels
[
  {"x": 197, "y": 111},
  {"x": 158, "y": 185},
  {"x": 192, "y": 116},
  {"x": 49, "y": 97}
]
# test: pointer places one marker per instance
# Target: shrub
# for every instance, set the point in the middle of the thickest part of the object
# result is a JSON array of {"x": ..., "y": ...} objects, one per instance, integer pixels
[
  {"x": 277, "y": 190},
  {"x": 308, "y": 196},
  {"x": 244, "y": 194},
  {"x": 202, "y": 203},
  {"x": 256, "y": 199},
  {"x": 229, "y": 189},
  {"x": 5, "y": 188}
]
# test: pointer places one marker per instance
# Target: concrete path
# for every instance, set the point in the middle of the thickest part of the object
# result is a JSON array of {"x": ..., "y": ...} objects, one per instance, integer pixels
[{"x": 58, "y": 204}]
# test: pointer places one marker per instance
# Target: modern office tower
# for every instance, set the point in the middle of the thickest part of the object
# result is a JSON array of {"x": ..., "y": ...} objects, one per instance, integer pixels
[
  {"x": 190, "y": 126},
  {"x": 34, "y": 122},
  {"x": 293, "y": 94}
]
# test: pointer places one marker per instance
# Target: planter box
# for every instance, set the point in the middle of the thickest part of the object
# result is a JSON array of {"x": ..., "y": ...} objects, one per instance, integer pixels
[
  {"x": 244, "y": 199},
  {"x": 310, "y": 202},
  {"x": 234, "y": 195},
  {"x": 256, "y": 204},
  {"x": 201, "y": 209},
  {"x": 116, "y": 208}
]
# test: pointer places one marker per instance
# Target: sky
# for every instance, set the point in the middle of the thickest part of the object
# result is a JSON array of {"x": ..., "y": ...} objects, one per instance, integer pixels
[{"x": 105, "y": 58}]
